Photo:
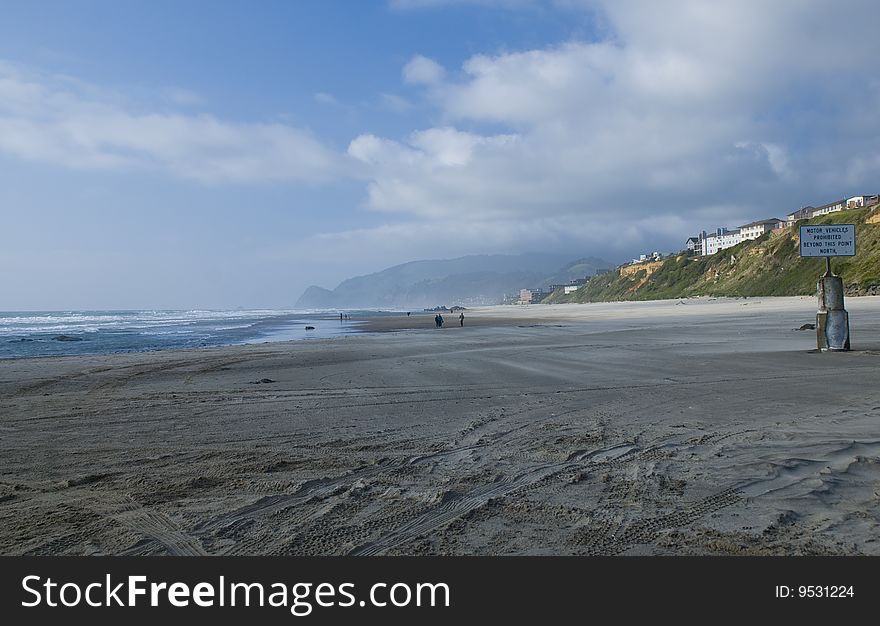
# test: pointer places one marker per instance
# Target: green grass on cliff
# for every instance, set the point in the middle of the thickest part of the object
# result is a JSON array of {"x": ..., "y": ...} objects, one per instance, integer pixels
[{"x": 769, "y": 266}]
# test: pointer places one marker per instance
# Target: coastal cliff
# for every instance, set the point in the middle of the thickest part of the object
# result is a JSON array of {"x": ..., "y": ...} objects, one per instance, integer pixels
[{"x": 767, "y": 266}]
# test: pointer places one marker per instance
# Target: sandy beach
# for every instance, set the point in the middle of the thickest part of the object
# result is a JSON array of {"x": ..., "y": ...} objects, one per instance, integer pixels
[{"x": 678, "y": 427}]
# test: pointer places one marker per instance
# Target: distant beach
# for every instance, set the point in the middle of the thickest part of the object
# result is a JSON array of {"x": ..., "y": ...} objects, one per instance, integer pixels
[{"x": 708, "y": 426}]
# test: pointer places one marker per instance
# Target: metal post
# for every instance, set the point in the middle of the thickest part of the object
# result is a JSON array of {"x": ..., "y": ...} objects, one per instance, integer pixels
[{"x": 832, "y": 320}]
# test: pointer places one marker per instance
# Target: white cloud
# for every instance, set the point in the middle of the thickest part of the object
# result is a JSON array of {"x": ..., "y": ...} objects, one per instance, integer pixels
[
  {"x": 429, "y": 172},
  {"x": 60, "y": 121},
  {"x": 422, "y": 70},
  {"x": 373, "y": 150}
]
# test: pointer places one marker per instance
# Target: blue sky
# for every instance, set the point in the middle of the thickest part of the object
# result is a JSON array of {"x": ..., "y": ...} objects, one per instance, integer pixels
[{"x": 221, "y": 154}]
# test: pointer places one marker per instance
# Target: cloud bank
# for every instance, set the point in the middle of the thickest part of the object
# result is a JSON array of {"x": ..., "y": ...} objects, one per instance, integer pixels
[
  {"x": 61, "y": 121},
  {"x": 686, "y": 107}
]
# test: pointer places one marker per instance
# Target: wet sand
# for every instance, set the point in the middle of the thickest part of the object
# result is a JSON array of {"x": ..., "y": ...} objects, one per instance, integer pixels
[{"x": 692, "y": 427}]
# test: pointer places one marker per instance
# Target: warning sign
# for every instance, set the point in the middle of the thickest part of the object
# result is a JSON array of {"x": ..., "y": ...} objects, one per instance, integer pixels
[{"x": 828, "y": 240}]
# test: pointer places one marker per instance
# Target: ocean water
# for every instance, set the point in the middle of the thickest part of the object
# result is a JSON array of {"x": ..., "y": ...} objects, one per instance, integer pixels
[{"x": 52, "y": 333}]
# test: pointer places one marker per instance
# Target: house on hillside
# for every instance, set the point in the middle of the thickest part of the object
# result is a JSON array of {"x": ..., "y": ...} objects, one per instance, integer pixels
[
  {"x": 729, "y": 239},
  {"x": 809, "y": 212},
  {"x": 694, "y": 245},
  {"x": 529, "y": 296},
  {"x": 803, "y": 213},
  {"x": 857, "y": 202},
  {"x": 574, "y": 285},
  {"x": 709, "y": 244},
  {"x": 721, "y": 239},
  {"x": 753, "y": 230},
  {"x": 647, "y": 258},
  {"x": 831, "y": 207}
]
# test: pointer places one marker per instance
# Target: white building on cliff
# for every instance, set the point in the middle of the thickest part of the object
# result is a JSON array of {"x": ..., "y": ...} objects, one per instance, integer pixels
[
  {"x": 720, "y": 239},
  {"x": 754, "y": 230}
]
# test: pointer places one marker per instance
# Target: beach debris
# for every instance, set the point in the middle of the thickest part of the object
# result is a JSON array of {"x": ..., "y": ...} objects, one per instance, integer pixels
[
  {"x": 807, "y": 327},
  {"x": 310, "y": 328},
  {"x": 263, "y": 381}
]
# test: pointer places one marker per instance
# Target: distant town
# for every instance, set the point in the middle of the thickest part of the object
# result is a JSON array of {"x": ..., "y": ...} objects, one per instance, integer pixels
[{"x": 708, "y": 243}]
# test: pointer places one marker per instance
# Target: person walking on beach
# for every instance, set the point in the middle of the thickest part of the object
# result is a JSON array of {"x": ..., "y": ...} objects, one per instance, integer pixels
[
  {"x": 440, "y": 320},
  {"x": 461, "y": 319},
  {"x": 437, "y": 320}
]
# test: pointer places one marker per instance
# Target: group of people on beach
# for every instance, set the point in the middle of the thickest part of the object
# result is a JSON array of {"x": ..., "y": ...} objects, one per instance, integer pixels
[{"x": 438, "y": 320}]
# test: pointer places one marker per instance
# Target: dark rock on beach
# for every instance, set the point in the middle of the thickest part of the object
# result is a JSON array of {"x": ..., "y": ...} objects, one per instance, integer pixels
[{"x": 853, "y": 290}]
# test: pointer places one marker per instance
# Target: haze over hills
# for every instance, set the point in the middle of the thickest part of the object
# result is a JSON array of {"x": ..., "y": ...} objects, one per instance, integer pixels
[{"x": 468, "y": 280}]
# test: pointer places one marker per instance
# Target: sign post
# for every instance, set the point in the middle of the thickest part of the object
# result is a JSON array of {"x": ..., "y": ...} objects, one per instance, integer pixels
[{"x": 832, "y": 320}]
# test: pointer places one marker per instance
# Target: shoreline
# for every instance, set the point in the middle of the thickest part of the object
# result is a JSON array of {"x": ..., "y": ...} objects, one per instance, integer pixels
[{"x": 488, "y": 316}]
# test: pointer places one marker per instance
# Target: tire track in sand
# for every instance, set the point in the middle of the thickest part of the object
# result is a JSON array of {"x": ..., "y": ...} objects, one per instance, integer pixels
[
  {"x": 318, "y": 488},
  {"x": 148, "y": 523},
  {"x": 458, "y": 505}
]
